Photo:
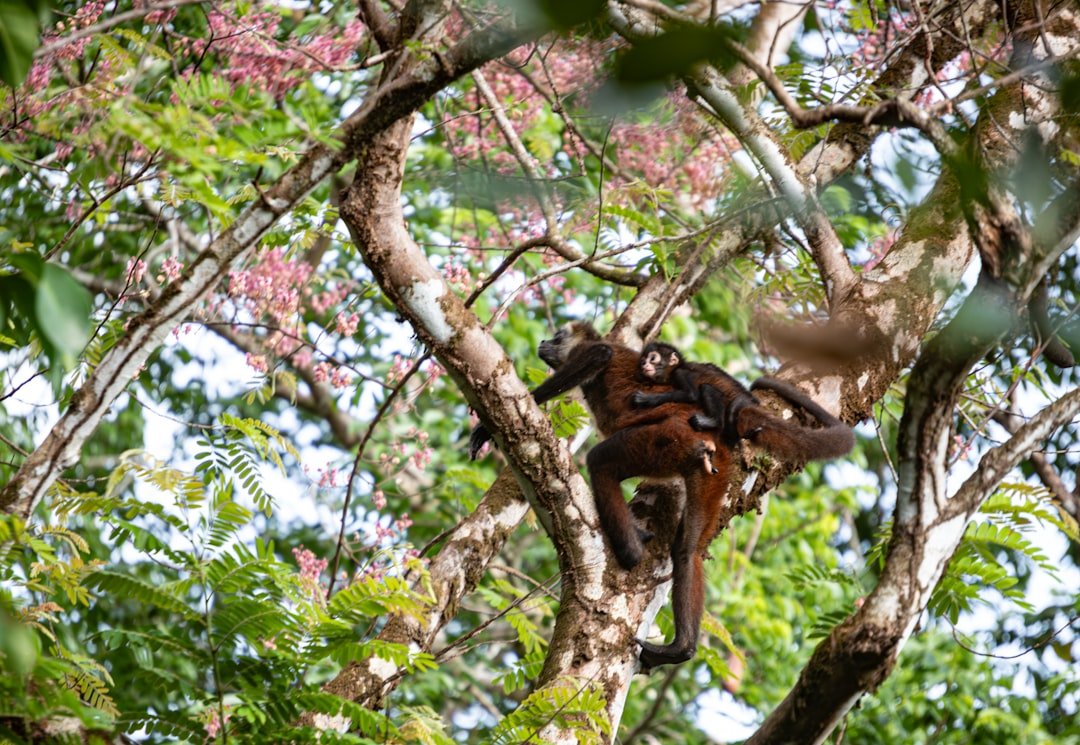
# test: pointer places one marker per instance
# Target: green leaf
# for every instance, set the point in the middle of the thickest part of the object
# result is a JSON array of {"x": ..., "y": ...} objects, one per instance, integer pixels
[
  {"x": 132, "y": 588},
  {"x": 19, "y": 33},
  {"x": 62, "y": 308}
]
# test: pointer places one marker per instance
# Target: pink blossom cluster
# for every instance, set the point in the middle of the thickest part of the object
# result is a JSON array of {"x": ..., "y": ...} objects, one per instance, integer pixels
[
  {"x": 323, "y": 372},
  {"x": 272, "y": 286},
  {"x": 875, "y": 44},
  {"x": 555, "y": 283},
  {"x": 328, "y": 478},
  {"x": 213, "y": 723},
  {"x": 311, "y": 568},
  {"x": 391, "y": 532},
  {"x": 251, "y": 55},
  {"x": 135, "y": 271},
  {"x": 84, "y": 100},
  {"x": 434, "y": 372},
  {"x": 346, "y": 324},
  {"x": 420, "y": 458},
  {"x": 329, "y": 297},
  {"x": 257, "y": 362},
  {"x": 398, "y": 369},
  {"x": 568, "y": 69},
  {"x": 340, "y": 378},
  {"x": 684, "y": 154},
  {"x": 457, "y": 275},
  {"x": 85, "y": 16},
  {"x": 170, "y": 269},
  {"x": 301, "y": 358}
]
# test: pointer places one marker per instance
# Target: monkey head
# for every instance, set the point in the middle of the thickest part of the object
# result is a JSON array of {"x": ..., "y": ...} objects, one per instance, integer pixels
[
  {"x": 556, "y": 350},
  {"x": 658, "y": 361}
]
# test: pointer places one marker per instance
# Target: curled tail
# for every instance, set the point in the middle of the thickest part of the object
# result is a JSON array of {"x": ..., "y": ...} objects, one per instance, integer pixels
[{"x": 791, "y": 441}]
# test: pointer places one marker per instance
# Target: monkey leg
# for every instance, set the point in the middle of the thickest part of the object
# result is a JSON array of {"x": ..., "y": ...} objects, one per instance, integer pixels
[
  {"x": 668, "y": 448},
  {"x": 688, "y": 597},
  {"x": 719, "y": 413},
  {"x": 608, "y": 466},
  {"x": 696, "y": 530}
]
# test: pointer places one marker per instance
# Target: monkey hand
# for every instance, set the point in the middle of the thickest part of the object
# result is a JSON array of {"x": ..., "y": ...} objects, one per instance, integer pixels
[
  {"x": 640, "y": 400},
  {"x": 479, "y": 437}
]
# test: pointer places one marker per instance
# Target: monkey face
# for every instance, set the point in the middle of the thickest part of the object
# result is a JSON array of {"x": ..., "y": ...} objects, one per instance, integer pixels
[
  {"x": 651, "y": 365},
  {"x": 658, "y": 361},
  {"x": 555, "y": 350}
]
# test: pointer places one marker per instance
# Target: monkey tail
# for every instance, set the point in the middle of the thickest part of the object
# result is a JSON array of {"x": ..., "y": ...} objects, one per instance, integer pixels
[{"x": 793, "y": 442}]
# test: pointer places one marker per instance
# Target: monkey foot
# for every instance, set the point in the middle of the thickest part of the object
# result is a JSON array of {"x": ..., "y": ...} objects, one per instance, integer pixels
[
  {"x": 629, "y": 555},
  {"x": 654, "y": 655},
  {"x": 706, "y": 451}
]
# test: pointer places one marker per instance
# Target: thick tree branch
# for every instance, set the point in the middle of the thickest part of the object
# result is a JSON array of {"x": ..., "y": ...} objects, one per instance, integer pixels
[
  {"x": 382, "y": 28},
  {"x": 860, "y": 652}
]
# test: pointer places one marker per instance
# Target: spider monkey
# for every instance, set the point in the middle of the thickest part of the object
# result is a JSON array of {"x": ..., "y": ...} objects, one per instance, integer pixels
[
  {"x": 733, "y": 411},
  {"x": 658, "y": 442}
]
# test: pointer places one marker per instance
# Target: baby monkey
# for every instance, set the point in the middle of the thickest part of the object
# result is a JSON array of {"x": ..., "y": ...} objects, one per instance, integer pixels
[{"x": 730, "y": 408}]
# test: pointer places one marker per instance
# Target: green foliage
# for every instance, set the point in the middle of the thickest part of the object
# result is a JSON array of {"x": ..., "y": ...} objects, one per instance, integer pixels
[
  {"x": 43, "y": 301},
  {"x": 158, "y": 593},
  {"x": 567, "y": 704},
  {"x": 675, "y": 52},
  {"x": 973, "y": 701},
  {"x": 243, "y": 446},
  {"x": 986, "y": 557},
  {"x": 232, "y": 627}
]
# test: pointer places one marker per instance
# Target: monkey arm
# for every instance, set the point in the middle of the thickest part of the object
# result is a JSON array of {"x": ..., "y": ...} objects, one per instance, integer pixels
[
  {"x": 643, "y": 400},
  {"x": 683, "y": 392},
  {"x": 580, "y": 368}
]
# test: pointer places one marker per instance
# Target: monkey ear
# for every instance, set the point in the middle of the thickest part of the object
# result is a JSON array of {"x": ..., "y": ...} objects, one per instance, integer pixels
[{"x": 673, "y": 360}]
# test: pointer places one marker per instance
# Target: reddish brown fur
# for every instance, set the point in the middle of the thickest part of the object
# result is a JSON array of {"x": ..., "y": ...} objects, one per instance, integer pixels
[{"x": 657, "y": 442}]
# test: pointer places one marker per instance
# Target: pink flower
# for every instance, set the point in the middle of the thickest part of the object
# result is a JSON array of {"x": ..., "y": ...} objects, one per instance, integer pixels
[
  {"x": 136, "y": 269},
  {"x": 341, "y": 378},
  {"x": 346, "y": 325},
  {"x": 213, "y": 724},
  {"x": 257, "y": 362},
  {"x": 328, "y": 478},
  {"x": 310, "y": 567},
  {"x": 171, "y": 268}
]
